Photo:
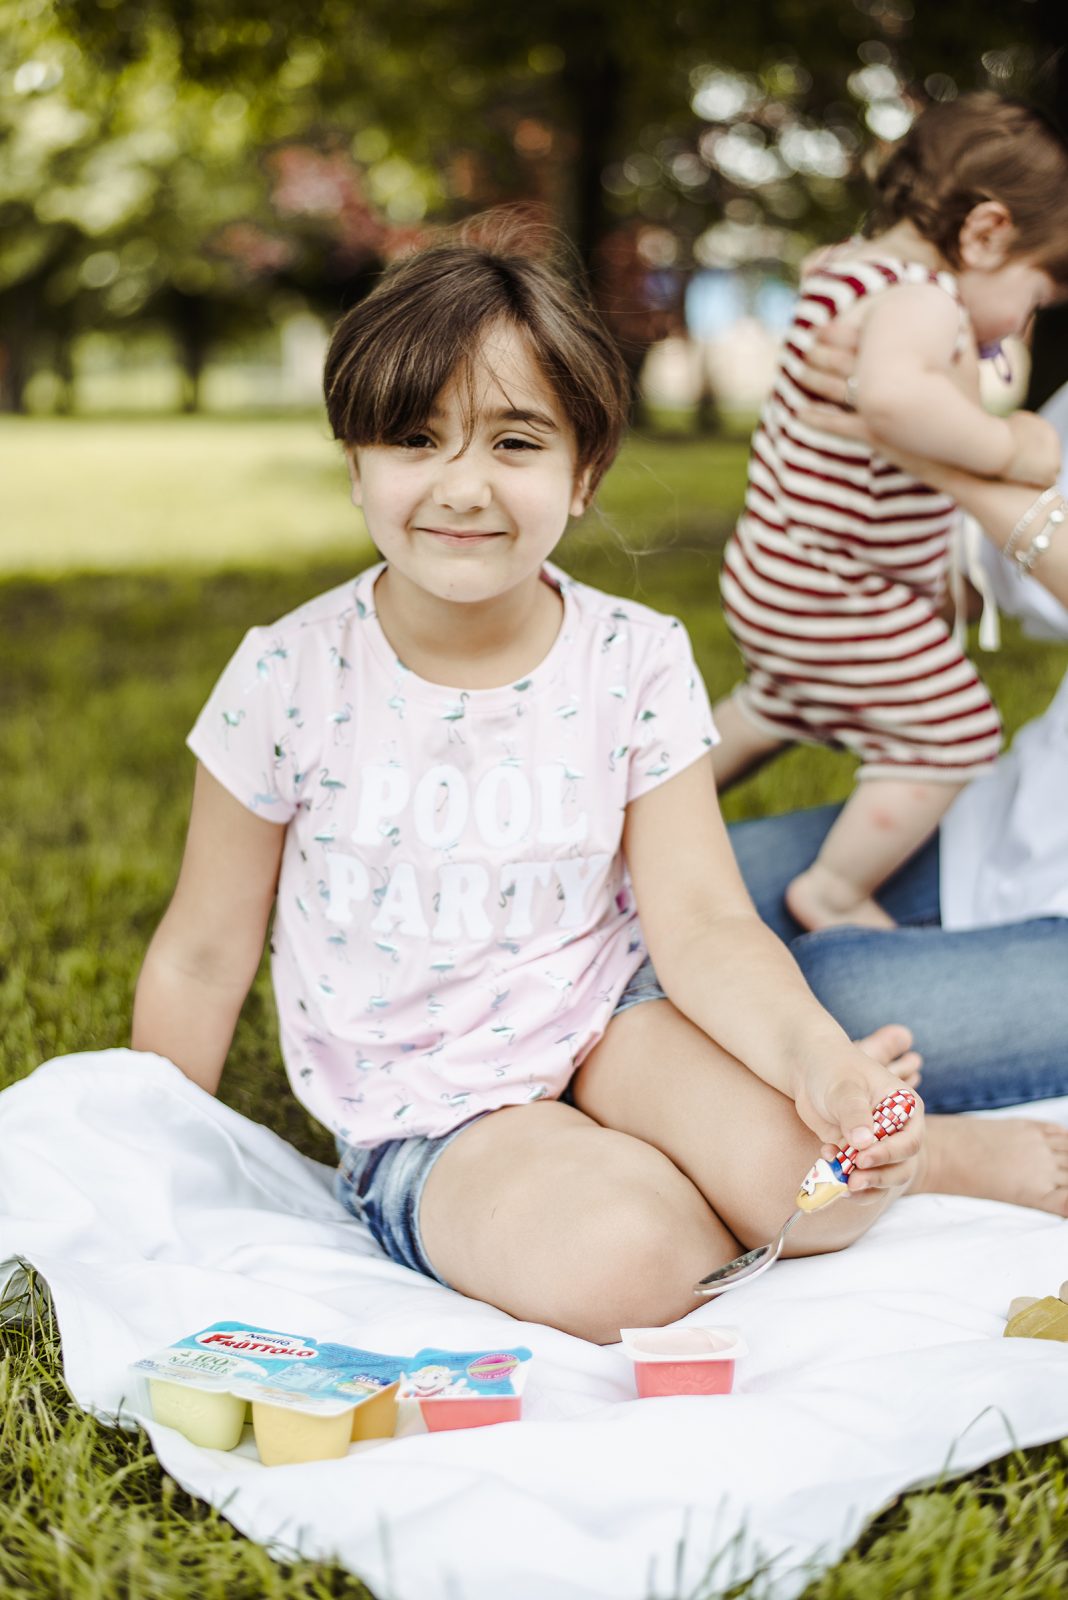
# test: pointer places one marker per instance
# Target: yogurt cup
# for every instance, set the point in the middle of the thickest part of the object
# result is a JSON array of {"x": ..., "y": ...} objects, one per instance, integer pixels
[
  {"x": 286, "y": 1436},
  {"x": 206, "y": 1416},
  {"x": 683, "y": 1360},
  {"x": 309, "y": 1399},
  {"x": 465, "y": 1389}
]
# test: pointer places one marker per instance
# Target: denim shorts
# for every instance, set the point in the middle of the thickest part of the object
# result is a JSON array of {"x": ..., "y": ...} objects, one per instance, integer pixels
[{"x": 383, "y": 1186}]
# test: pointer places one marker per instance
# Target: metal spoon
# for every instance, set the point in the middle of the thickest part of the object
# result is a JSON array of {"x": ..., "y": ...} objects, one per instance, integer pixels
[{"x": 824, "y": 1183}]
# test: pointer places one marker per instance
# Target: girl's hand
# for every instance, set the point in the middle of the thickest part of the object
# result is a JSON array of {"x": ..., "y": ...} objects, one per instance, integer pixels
[{"x": 838, "y": 1093}]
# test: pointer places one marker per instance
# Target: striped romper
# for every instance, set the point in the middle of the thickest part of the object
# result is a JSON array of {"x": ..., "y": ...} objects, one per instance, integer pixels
[{"x": 833, "y": 579}]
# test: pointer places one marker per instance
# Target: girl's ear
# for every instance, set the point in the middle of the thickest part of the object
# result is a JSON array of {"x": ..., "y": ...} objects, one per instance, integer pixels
[
  {"x": 354, "y": 474},
  {"x": 580, "y": 499},
  {"x": 986, "y": 236}
]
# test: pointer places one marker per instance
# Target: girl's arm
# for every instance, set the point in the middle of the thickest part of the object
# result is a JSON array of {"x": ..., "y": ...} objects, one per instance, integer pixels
[
  {"x": 729, "y": 974},
  {"x": 205, "y": 952},
  {"x": 910, "y": 401}
]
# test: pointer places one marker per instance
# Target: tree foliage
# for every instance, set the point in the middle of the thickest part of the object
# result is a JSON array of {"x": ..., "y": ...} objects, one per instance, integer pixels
[{"x": 185, "y": 159}]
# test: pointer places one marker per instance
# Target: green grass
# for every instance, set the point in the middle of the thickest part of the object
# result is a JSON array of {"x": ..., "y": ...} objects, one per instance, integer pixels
[
  {"x": 140, "y": 552},
  {"x": 97, "y": 494}
]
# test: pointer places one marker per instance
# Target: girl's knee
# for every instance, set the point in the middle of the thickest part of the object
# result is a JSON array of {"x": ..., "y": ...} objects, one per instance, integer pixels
[{"x": 642, "y": 1249}]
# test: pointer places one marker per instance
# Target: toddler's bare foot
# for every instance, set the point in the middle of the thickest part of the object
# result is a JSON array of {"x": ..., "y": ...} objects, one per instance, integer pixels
[
  {"x": 821, "y": 899},
  {"x": 1021, "y": 1161}
]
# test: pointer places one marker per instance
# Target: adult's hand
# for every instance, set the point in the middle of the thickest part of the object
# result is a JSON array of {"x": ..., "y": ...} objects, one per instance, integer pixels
[
  {"x": 996, "y": 505},
  {"x": 830, "y": 362},
  {"x": 828, "y": 368}
]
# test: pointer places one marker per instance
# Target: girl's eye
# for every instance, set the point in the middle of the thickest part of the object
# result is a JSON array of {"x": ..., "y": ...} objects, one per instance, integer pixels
[
  {"x": 415, "y": 441},
  {"x": 519, "y": 444}
]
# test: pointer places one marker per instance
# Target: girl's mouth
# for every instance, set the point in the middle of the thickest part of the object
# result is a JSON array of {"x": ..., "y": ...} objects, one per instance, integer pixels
[{"x": 457, "y": 537}]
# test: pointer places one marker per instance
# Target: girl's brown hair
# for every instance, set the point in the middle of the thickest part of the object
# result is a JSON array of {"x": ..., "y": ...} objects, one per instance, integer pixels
[
  {"x": 422, "y": 325},
  {"x": 980, "y": 147}
]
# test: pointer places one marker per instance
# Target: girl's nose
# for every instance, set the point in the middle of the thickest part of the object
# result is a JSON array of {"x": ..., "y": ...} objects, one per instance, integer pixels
[{"x": 460, "y": 486}]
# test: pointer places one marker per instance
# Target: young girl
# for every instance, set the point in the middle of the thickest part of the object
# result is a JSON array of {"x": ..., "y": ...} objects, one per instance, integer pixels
[
  {"x": 833, "y": 581},
  {"x": 458, "y": 781}
]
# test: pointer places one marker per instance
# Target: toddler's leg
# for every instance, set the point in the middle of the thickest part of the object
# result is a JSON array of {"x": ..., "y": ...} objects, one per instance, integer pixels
[
  {"x": 879, "y": 827},
  {"x": 742, "y": 745}
]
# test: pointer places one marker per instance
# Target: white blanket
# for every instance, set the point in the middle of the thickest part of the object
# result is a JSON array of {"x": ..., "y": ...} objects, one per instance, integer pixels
[{"x": 152, "y": 1210}]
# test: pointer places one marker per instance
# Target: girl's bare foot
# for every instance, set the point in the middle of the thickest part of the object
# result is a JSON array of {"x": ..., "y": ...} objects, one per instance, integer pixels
[
  {"x": 822, "y": 899},
  {"x": 891, "y": 1046},
  {"x": 1018, "y": 1160}
]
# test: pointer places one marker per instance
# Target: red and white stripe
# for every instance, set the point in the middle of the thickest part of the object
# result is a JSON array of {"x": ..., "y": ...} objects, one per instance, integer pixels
[{"x": 832, "y": 579}]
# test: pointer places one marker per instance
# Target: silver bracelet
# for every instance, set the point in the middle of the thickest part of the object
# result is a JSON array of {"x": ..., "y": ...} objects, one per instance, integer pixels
[
  {"x": 1026, "y": 520},
  {"x": 1042, "y": 540}
]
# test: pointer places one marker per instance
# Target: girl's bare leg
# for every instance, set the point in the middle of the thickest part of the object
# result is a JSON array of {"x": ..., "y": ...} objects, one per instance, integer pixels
[
  {"x": 652, "y": 1075},
  {"x": 879, "y": 827},
  {"x": 742, "y": 745},
  {"x": 602, "y": 1218},
  {"x": 538, "y": 1210}
]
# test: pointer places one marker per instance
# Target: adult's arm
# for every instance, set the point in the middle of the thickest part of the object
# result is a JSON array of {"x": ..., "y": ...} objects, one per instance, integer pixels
[
  {"x": 997, "y": 505},
  {"x": 205, "y": 952}
]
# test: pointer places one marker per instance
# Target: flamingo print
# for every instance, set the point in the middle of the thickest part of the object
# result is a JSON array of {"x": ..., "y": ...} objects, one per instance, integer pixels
[
  {"x": 231, "y": 719},
  {"x": 332, "y": 786}
]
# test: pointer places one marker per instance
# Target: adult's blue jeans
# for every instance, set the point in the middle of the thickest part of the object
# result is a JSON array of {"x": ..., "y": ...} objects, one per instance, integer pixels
[{"x": 988, "y": 1006}]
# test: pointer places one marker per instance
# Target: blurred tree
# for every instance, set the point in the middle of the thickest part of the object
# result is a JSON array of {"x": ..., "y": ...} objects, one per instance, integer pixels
[
  {"x": 733, "y": 131},
  {"x": 575, "y": 87},
  {"x": 112, "y": 188}
]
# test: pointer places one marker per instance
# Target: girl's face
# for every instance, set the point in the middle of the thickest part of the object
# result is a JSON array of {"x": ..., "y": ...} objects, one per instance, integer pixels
[
  {"x": 468, "y": 524},
  {"x": 1002, "y": 302}
]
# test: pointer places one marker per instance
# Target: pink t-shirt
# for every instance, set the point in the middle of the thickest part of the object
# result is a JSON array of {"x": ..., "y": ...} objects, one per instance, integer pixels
[{"x": 454, "y": 922}]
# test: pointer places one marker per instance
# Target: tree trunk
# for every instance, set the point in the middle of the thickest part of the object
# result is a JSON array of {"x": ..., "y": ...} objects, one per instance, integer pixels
[
  {"x": 17, "y": 330},
  {"x": 593, "y": 88},
  {"x": 188, "y": 316},
  {"x": 63, "y": 363}
]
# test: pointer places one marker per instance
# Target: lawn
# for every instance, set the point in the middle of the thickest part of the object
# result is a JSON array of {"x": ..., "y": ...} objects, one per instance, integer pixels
[{"x": 134, "y": 555}]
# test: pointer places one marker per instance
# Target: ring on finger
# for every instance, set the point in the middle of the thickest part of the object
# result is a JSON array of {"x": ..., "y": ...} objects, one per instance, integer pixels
[{"x": 851, "y": 391}]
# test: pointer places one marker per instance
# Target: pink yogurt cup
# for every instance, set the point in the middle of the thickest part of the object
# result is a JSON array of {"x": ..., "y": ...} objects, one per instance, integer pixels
[
  {"x": 683, "y": 1360},
  {"x": 470, "y": 1412}
]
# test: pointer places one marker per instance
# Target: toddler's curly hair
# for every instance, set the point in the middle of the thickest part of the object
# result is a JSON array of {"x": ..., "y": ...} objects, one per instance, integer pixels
[{"x": 979, "y": 147}]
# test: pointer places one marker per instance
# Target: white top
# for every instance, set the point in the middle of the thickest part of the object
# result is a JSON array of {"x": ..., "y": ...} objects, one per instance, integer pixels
[
  {"x": 1004, "y": 843},
  {"x": 454, "y": 922}
]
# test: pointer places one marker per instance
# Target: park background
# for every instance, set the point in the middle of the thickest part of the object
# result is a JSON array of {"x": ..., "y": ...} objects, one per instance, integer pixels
[{"x": 191, "y": 191}]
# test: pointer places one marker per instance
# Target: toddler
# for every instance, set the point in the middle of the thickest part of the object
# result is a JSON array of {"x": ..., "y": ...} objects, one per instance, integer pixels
[
  {"x": 518, "y": 977},
  {"x": 833, "y": 581}
]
